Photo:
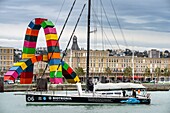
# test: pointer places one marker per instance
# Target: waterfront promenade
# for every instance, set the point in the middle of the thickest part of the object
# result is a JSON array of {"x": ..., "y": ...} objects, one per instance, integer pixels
[{"x": 55, "y": 87}]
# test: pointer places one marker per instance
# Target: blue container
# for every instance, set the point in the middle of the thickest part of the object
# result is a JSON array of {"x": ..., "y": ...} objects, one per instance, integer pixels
[
  {"x": 73, "y": 75},
  {"x": 62, "y": 63},
  {"x": 54, "y": 62},
  {"x": 53, "y": 49},
  {"x": 18, "y": 69},
  {"x": 31, "y": 38},
  {"x": 29, "y": 69},
  {"x": 34, "y": 26}
]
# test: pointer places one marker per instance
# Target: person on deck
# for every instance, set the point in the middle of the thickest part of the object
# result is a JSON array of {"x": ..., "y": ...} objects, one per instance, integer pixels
[
  {"x": 124, "y": 93},
  {"x": 138, "y": 91},
  {"x": 134, "y": 93}
]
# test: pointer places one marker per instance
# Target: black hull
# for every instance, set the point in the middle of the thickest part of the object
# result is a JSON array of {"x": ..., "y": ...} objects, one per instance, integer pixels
[{"x": 52, "y": 99}]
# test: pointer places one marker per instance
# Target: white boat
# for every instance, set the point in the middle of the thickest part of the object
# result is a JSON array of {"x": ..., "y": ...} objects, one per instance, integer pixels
[{"x": 114, "y": 94}]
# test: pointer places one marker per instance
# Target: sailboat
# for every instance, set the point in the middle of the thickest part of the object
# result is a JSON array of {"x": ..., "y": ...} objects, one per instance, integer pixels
[{"x": 95, "y": 93}]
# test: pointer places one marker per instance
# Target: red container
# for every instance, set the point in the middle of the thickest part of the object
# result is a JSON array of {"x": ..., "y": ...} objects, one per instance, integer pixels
[
  {"x": 39, "y": 58},
  {"x": 26, "y": 75},
  {"x": 8, "y": 77},
  {"x": 52, "y": 43},
  {"x": 25, "y": 80},
  {"x": 69, "y": 70},
  {"x": 38, "y": 21}
]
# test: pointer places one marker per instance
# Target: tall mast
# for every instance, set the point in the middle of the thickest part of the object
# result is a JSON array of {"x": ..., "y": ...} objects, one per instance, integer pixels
[{"x": 88, "y": 44}]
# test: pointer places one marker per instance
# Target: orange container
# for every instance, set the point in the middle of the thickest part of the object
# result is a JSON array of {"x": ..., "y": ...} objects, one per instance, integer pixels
[
  {"x": 34, "y": 59},
  {"x": 32, "y": 32},
  {"x": 55, "y": 55}
]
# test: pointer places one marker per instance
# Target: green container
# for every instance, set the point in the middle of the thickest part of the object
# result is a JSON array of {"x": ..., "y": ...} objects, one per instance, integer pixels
[
  {"x": 53, "y": 49},
  {"x": 47, "y": 24},
  {"x": 52, "y": 74},
  {"x": 65, "y": 66},
  {"x": 29, "y": 50},
  {"x": 59, "y": 74}
]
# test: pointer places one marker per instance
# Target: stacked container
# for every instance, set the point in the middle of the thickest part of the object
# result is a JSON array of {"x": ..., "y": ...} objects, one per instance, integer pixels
[
  {"x": 25, "y": 67},
  {"x": 53, "y": 52},
  {"x": 27, "y": 74},
  {"x": 69, "y": 74}
]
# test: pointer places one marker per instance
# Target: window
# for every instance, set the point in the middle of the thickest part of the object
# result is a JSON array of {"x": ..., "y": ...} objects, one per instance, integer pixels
[
  {"x": 11, "y": 51},
  {"x": 11, "y": 58}
]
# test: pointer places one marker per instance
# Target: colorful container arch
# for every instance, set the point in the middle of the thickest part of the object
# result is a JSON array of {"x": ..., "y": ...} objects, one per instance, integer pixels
[{"x": 25, "y": 67}]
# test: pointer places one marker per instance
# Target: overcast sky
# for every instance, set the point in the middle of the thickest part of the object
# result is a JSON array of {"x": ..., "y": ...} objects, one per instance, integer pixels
[{"x": 145, "y": 23}]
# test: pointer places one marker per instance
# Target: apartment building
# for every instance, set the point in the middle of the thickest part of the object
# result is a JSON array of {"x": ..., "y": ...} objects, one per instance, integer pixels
[
  {"x": 6, "y": 58},
  {"x": 100, "y": 60}
]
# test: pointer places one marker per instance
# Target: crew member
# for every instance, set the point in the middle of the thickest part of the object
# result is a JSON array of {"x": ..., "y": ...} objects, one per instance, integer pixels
[{"x": 124, "y": 93}]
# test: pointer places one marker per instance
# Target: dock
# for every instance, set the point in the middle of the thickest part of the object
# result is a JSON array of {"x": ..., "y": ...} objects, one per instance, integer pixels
[{"x": 55, "y": 87}]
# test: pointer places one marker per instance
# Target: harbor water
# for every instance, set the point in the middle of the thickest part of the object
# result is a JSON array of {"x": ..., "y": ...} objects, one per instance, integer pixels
[{"x": 11, "y": 103}]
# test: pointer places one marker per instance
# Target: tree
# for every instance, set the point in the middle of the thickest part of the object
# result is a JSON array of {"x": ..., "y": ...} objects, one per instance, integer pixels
[
  {"x": 158, "y": 72},
  {"x": 79, "y": 71},
  {"x": 147, "y": 72},
  {"x": 166, "y": 72},
  {"x": 128, "y": 71},
  {"x": 108, "y": 71}
]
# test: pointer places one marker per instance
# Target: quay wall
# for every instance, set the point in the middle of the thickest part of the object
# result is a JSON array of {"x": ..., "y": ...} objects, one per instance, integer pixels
[{"x": 55, "y": 87}]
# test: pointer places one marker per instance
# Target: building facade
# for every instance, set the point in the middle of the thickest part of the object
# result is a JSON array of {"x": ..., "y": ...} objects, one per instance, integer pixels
[
  {"x": 6, "y": 58},
  {"x": 100, "y": 60},
  {"x": 153, "y": 53}
]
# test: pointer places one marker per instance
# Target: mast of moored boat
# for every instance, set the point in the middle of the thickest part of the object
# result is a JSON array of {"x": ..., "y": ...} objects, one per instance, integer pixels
[{"x": 88, "y": 44}]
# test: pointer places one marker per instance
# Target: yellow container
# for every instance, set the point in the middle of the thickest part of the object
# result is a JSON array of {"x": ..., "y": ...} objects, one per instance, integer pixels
[
  {"x": 77, "y": 79},
  {"x": 27, "y": 55},
  {"x": 51, "y": 37},
  {"x": 54, "y": 68},
  {"x": 45, "y": 58},
  {"x": 22, "y": 64}
]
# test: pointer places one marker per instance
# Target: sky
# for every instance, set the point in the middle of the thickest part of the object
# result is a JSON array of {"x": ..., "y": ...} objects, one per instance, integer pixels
[{"x": 145, "y": 24}]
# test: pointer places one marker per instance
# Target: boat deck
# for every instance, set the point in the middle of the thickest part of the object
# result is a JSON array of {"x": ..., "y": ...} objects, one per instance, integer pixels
[{"x": 97, "y": 95}]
